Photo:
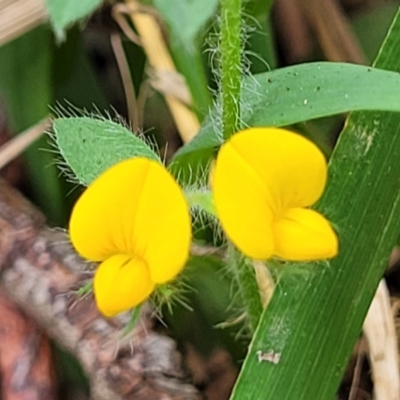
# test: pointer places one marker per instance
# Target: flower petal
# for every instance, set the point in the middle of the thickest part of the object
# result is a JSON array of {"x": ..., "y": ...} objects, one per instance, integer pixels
[
  {"x": 291, "y": 168},
  {"x": 241, "y": 202},
  {"x": 163, "y": 225},
  {"x": 303, "y": 234},
  {"x": 135, "y": 207},
  {"x": 121, "y": 283},
  {"x": 103, "y": 219}
]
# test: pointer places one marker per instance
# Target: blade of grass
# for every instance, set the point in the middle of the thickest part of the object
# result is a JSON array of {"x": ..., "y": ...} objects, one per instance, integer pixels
[
  {"x": 314, "y": 319},
  {"x": 185, "y": 46}
]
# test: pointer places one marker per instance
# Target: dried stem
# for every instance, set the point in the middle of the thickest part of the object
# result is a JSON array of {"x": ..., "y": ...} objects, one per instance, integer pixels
[{"x": 18, "y": 17}]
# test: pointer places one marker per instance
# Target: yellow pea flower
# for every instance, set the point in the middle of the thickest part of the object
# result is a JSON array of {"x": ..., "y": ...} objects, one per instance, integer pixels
[
  {"x": 134, "y": 219},
  {"x": 264, "y": 180}
]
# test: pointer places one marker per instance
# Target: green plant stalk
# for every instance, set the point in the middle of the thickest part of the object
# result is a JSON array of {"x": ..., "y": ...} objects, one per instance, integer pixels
[
  {"x": 231, "y": 75},
  {"x": 314, "y": 320},
  {"x": 190, "y": 63},
  {"x": 231, "y": 65},
  {"x": 201, "y": 198},
  {"x": 248, "y": 286}
]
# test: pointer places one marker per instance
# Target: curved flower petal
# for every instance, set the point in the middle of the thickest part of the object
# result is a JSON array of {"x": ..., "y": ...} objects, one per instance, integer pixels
[
  {"x": 121, "y": 283},
  {"x": 241, "y": 202},
  {"x": 303, "y": 234},
  {"x": 163, "y": 225},
  {"x": 135, "y": 207},
  {"x": 103, "y": 219},
  {"x": 291, "y": 168}
]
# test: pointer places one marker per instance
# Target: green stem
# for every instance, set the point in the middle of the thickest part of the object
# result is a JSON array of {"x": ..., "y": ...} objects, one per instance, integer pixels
[
  {"x": 201, "y": 198},
  {"x": 190, "y": 63},
  {"x": 231, "y": 58},
  {"x": 248, "y": 286}
]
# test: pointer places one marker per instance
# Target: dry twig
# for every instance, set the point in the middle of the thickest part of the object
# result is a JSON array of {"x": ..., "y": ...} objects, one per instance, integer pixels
[
  {"x": 26, "y": 367},
  {"x": 380, "y": 332},
  {"x": 150, "y": 37},
  {"x": 19, "y": 16},
  {"x": 14, "y": 147}
]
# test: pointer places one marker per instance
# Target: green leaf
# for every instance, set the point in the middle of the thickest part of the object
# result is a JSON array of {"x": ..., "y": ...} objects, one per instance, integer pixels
[
  {"x": 64, "y": 12},
  {"x": 314, "y": 320},
  {"x": 303, "y": 92},
  {"x": 90, "y": 146},
  {"x": 185, "y": 20},
  {"x": 186, "y": 17},
  {"x": 189, "y": 62}
]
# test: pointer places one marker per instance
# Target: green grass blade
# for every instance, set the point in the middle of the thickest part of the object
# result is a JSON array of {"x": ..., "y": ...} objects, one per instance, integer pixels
[
  {"x": 294, "y": 94},
  {"x": 186, "y": 20},
  {"x": 314, "y": 319}
]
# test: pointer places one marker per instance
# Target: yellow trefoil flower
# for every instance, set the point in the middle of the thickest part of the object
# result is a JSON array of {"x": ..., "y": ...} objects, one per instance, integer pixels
[
  {"x": 134, "y": 219},
  {"x": 263, "y": 183}
]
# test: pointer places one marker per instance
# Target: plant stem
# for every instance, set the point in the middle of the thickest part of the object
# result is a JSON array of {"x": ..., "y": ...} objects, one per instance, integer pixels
[
  {"x": 248, "y": 285},
  {"x": 201, "y": 198},
  {"x": 231, "y": 58}
]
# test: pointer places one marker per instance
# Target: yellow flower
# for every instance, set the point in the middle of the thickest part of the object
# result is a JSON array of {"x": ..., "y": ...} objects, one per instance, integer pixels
[
  {"x": 264, "y": 179},
  {"x": 135, "y": 220}
]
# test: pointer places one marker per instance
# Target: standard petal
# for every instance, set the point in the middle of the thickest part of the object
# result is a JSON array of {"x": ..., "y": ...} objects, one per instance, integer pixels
[
  {"x": 103, "y": 219},
  {"x": 162, "y": 225},
  {"x": 291, "y": 167},
  {"x": 303, "y": 234},
  {"x": 240, "y": 198},
  {"x": 121, "y": 283}
]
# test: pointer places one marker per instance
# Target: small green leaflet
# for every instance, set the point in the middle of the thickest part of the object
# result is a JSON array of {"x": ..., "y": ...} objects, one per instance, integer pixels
[
  {"x": 89, "y": 146},
  {"x": 186, "y": 17},
  {"x": 64, "y": 12}
]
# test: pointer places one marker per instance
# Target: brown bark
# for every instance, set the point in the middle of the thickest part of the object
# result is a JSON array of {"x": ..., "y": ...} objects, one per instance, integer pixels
[
  {"x": 26, "y": 367},
  {"x": 40, "y": 271}
]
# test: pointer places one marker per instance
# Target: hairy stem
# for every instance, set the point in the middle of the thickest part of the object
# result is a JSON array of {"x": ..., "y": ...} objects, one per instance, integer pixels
[
  {"x": 248, "y": 286},
  {"x": 231, "y": 53}
]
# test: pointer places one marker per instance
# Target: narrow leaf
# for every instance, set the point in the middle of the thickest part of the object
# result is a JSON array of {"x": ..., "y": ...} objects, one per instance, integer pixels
[
  {"x": 313, "y": 321},
  {"x": 303, "y": 92}
]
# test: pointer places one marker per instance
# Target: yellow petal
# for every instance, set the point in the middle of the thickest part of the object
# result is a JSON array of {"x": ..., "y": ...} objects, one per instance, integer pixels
[
  {"x": 121, "y": 283},
  {"x": 163, "y": 225},
  {"x": 291, "y": 168},
  {"x": 240, "y": 199},
  {"x": 135, "y": 207},
  {"x": 303, "y": 234},
  {"x": 103, "y": 219}
]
